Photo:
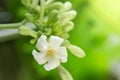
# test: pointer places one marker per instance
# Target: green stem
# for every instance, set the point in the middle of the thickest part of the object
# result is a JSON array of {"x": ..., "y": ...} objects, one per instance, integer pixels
[
  {"x": 11, "y": 25},
  {"x": 42, "y": 11},
  {"x": 34, "y": 4}
]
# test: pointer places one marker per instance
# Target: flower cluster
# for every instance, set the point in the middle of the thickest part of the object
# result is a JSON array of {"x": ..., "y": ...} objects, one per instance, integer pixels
[
  {"x": 50, "y": 20},
  {"x": 49, "y": 25},
  {"x": 56, "y": 20}
]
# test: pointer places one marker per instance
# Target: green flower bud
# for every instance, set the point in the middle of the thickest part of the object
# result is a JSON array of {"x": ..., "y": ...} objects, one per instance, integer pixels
[
  {"x": 27, "y": 32},
  {"x": 64, "y": 74},
  {"x": 26, "y": 3},
  {"x": 57, "y": 28},
  {"x": 59, "y": 33},
  {"x": 54, "y": 6},
  {"x": 67, "y": 6},
  {"x": 36, "y": 9},
  {"x": 30, "y": 18},
  {"x": 74, "y": 49},
  {"x": 66, "y": 17},
  {"x": 52, "y": 17},
  {"x": 68, "y": 26},
  {"x": 32, "y": 41},
  {"x": 65, "y": 35}
]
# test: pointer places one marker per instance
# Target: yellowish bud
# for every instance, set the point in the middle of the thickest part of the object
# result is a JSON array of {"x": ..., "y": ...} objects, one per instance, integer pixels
[
  {"x": 64, "y": 74},
  {"x": 54, "y": 6},
  {"x": 76, "y": 51},
  {"x": 68, "y": 26},
  {"x": 67, "y": 6},
  {"x": 66, "y": 17},
  {"x": 27, "y": 32}
]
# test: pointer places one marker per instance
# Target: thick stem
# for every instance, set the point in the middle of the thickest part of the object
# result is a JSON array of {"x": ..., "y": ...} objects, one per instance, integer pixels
[
  {"x": 11, "y": 25},
  {"x": 42, "y": 2}
]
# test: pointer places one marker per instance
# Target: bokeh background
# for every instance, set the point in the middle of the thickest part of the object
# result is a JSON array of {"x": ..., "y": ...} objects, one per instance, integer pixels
[{"x": 97, "y": 31}]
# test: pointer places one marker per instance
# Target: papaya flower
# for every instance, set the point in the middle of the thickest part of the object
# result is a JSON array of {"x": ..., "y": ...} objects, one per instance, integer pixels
[{"x": 50, "y": 52}]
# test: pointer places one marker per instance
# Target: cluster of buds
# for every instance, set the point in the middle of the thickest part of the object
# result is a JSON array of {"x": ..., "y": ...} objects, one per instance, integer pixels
[
  {"x": 49, "y": 24},
  {"x": 56, "y": 20}
]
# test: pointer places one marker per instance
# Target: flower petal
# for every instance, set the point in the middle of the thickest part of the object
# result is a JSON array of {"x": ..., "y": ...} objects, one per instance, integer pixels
[
  {"x": 62, "y": 54},
  {"x": 42, "y": 44},
  {"x": 55, "y": 41},
  {"x": 52, "y": 63},
  {"x": 39, "y": 57}
]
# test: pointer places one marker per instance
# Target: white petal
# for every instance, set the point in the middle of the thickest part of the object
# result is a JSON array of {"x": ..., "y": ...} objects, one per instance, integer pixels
[
  {"x": 55, "y": 41},
  {"x": 52, "y": 63},
  {"x": 39, "y": 57},
  {"x": 62, "y": 54},
  {"x": 42, "y": 44}
]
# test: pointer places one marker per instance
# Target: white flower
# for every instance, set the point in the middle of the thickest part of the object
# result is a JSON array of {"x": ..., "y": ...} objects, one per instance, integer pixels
[{"x": 51, "y": 52}]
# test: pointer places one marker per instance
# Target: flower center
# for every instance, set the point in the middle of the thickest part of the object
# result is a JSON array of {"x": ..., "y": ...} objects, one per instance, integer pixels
[{"x": 51, "y": 52}]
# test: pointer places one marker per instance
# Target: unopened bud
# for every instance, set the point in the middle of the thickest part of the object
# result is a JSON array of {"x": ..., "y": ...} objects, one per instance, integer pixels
[
  {"x": 30, "y": 18},
  {"x": 27, "y": 32},
  {"x": 64, "y": 74},
  {"x": 26, "y": 3},
  {"x": 67, "y": 6},
  {"x": 67, "y": 16},
  {"x": 52, "y": 17},
  {"x": 65, "y": 35},
  {"x": 54, "y": 6},
  {"x": 76, "y": 51},
  {"x": 68, "y": 26}
]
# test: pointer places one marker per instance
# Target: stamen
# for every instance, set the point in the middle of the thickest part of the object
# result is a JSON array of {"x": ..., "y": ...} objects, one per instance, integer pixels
[{"x": 51, "y": 52}]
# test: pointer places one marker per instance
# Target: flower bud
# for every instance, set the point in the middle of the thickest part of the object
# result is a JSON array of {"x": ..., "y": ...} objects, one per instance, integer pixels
[
  {"x": 66, "y": 17},
  {"x": 30, "y": 18},
  {"x": 54, "y": 6},
  {"x": 26, "y": 3},
  {"x": 65, "y": 35},
  {"x": 67, "y": 6},
  {"x": 64, "y": 74},
  {"x": 76, "y": 51},
  {"x": 68, "y": 26},
  {"x": 57, "y": 28},
  {"x": 32, "y": 41},
  {"x": 36, "y": 9},
  {"x": 27, "y": 32},
  {"x": 52, "y": 17}
]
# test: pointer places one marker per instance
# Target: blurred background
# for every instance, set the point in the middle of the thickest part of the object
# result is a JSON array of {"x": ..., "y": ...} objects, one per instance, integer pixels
[{"x": 97, "y": 32}]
